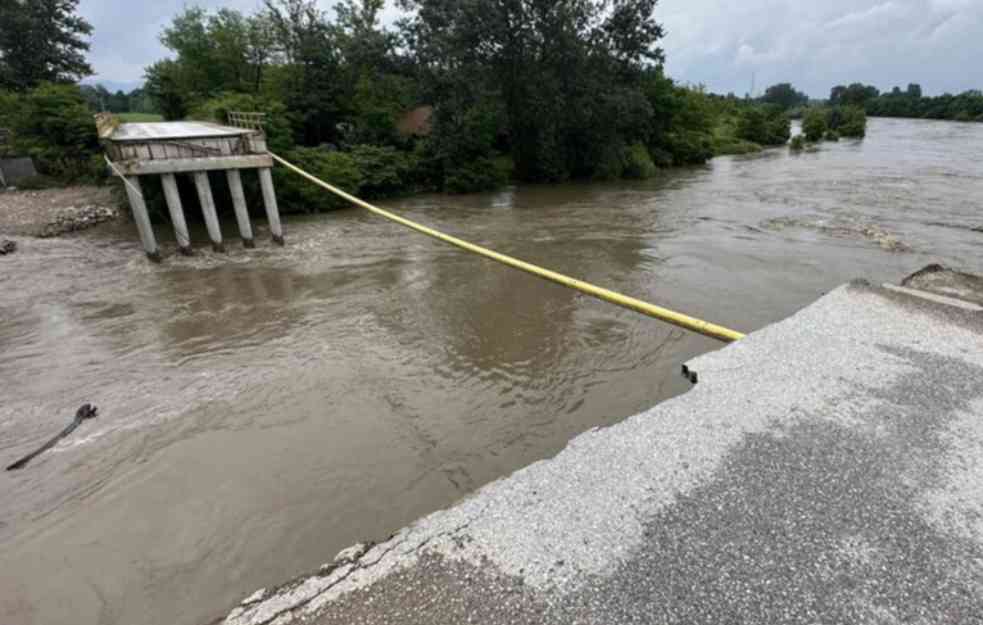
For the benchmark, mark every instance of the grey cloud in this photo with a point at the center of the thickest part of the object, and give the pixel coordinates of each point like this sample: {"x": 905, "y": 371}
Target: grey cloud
{"x": 719, "y": 43}
{"x": 816, "y": 45}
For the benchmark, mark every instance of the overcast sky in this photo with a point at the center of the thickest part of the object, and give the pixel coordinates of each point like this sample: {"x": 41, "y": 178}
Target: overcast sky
{"x": 720, "y": 43}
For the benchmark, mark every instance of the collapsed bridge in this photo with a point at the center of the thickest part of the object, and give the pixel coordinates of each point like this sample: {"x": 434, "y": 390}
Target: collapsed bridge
{"x": 167, "y": 149}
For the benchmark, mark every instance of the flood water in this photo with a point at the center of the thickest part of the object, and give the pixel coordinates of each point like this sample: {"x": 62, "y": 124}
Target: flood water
{"x": 262, "y": 410}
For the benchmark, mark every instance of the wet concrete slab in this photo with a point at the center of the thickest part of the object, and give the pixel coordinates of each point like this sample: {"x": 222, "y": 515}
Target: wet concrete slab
{"x": 824, "y": 470}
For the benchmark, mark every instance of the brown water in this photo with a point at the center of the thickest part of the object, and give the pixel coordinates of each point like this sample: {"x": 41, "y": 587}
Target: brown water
{"x": 260, "y": 411}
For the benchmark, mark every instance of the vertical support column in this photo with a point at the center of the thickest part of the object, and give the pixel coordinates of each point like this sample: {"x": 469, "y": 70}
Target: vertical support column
{"x": 239, "y": 202}
{"x": 208, "y": 208}
{"x": 177, "y": 214}
{"x": 142, "y": 218}
{"x": 269, "y": 200}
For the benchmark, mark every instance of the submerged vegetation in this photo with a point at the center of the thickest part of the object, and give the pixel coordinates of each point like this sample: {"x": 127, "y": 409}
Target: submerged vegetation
{"x": 831, "y": 123}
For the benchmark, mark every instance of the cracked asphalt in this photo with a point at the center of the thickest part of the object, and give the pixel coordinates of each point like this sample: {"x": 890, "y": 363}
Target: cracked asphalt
{"x": 826, "y": 469}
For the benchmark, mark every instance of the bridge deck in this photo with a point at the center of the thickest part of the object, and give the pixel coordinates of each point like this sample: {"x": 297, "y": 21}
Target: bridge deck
{"x": 156, "y": 131}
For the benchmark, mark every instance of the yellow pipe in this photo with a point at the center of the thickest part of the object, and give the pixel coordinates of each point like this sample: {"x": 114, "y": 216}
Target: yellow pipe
{"x": 683, "y": 321}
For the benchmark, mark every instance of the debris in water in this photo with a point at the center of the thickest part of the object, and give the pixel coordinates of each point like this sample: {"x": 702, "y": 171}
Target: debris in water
{"x": 84, "y": 413}
{"x": 7, "y": 247}
{"x": 842, "y": 228}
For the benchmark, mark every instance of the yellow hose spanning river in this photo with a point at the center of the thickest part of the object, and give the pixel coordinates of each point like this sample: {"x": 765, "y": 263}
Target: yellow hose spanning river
{"x": 683, "y": 321}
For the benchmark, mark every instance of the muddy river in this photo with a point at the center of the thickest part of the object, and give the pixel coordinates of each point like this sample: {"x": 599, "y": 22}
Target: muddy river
{"x": 262, "y": 410}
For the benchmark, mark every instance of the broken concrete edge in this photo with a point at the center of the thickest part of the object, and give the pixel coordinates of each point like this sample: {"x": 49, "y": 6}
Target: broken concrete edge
{"x": 947, "y": 282}
{"x": 941, "y": 299}
{"x": 362, "y": 566}
{"x": 302, "y": 589}
{"x": 930, "y": 269}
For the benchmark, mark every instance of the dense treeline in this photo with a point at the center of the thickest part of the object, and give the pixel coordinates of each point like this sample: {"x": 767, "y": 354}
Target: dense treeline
{"x": 454, "y": 97}
{"x": 578, "y": 92}
{"x": 966, "y": 107}
{"x": 101, "y": 99}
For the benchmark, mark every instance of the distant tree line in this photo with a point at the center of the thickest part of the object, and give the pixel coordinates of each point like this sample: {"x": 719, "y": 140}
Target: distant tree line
{"x": 785, "y": 96}
{"x": 967, "y": 106}
{"x": 101, "y": 99}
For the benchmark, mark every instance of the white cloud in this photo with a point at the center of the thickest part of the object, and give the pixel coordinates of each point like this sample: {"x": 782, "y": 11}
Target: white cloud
{"x": 866, "y": 17}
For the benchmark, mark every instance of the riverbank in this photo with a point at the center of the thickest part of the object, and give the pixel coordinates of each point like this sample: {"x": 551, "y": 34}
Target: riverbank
{"x": 823, "y": 469}
{"x": 53, "y": 212}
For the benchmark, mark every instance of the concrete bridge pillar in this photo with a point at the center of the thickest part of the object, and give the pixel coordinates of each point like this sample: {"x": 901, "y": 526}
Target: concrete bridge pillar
{"x": 208, "y": 209}
{"x": 239, "y": 202}
{"x": 139, "y": 207}
{"x": 174, "y": 207}
{"x": 269, "y": 200}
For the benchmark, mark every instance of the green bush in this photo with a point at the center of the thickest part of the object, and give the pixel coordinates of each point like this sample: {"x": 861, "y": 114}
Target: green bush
{"x": 53, "y": 125}
{"x": 732, "y": 146}
{"x": 478, "y": 175}
{"x": 278, "y": 123}
{"x": 831, "y": 135}
{"x": 9, "y": 104}
{"x": 638, "y": 163}
{"x": 37, "y": 183}
{"x": 779, "y": 129}
{"x": 610, "y": 164}
{"x": 682, "y": 126}
{"x": 298, "y": 194}
{"x": 504, "y": 164}
{"x": 660, "y": 156}
{"x": 798, "y": 143}
{"x": 851, "y": 121}
{"x": 815, "y": 123}
{"x": 764, "y": 126}
{"x": 386, "y": 171}
{"x": 690, "y": 147}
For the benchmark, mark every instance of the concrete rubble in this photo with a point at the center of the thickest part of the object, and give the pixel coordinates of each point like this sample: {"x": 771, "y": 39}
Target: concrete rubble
{"x": 826, "y": 469}
{"x": 74, "y": 218}
{"x": 54, "y": 212}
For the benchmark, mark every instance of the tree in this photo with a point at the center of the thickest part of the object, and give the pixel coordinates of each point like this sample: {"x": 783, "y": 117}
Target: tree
{"x": 764, "y": 125}
{"x": 815, "y": 123}
{"x": 164, "y": 86}
{"x": 785, "y": 96}
{"x": 849, "y": 121}
{"x": 311, "y": 81}
{"x": 380, "y": 84}
{"x": 568, "y": 74}
{"x": 41, "y": 41}
{"x": 857, "y": 94}
{"x": 96, "y": 96}
{"x": 53, "y": 124}
{"x": 215, "y": 53}
{"x": 915, "y": 91}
